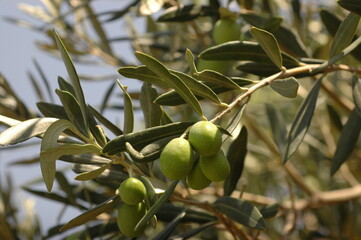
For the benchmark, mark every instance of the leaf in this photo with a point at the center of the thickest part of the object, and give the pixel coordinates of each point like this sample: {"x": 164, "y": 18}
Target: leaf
{"x": 108, "y": 124}
{"x": 269, "y": 44}
{"x": 152, "y": 112}
{"x": 236, "y": 155}
{"x": 73, "y": 77}
{"x": 72, "y": 109}
{"x": 332, "y": 23}
{"x": 170, "y": 227}
{"x": 347, "y": 141}
{"x": 339, "y": 56}
{"x": 144, "y": 74}
{"x": 351, "y": 5}
{"x": 244, "y": 51}
{"x": 286, "y": 87}
{"x": 174, "y": 81}
{"x": 66, "y": 86}
{"x": 278, "y": 126}
{"x": 128, "y": 110}
{"x": 356, "y": 93}
{"x": 92, "y": 213}
{"x": 25, "y": 130}
{"x": 240, "y": 211}
{"x": 52, "y": 110}
{"x": 192, "y": 232}
{"x": 8, "y": 121}
{"x": 50, "y": 139}
{"x": 217, "y": 78}
{"x": 199, "y": 88}
{"x": 151, "y": 195}
{"x": 142, "y": 138}
{"x": 302, "y": 121}
{"x": 270, "y": 211}
{"x": 86, "y": 176}
{"x": 187, "y": 13}
{"x": 157, "y": 206}
{"x": 345, "y": 34}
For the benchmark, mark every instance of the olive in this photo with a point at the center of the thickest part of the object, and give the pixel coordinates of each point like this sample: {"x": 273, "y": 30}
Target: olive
{"x": 225, "y": 30}
{"x": 216, "y": 168}
{"x": 176, "y": 159}
{"x": 205, "y": 138}
{"x": 132, "y": 191}
{"x": 196, "y": 178}
{"x": 128, "y": 218}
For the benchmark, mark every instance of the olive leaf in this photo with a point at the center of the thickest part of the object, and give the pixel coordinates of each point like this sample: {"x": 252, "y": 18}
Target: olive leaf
{"x": 278, "y": 126}
{"x": 170, "y": 227}
{"x": 142, "y": 138}
{"x": 25, "y": 130}
{"x": 157, "y": 206}
{"x": 128, "y": 110}
{"x": 186, "y": 13}
{"x": 286, "y": 87}
{"x": 92, "y": 213}
{"x": 345, "y": 34}
{"x": 240, "y": 211}
{"x": 351, "y": 5}
{"x": 91, "y": 174}
{"x": 356, "y": 93}
{"x": 174, "y": 81}
{"x": 347, "y": 141}
{"x": 269, "y": 44}
{"x": 236, "y": 155}
{"x": 73, "y": 77}
{"x": 301, "y": 121}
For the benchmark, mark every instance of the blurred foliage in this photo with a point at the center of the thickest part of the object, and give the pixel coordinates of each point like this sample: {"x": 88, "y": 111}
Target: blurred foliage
{"x": 295, "y": 161}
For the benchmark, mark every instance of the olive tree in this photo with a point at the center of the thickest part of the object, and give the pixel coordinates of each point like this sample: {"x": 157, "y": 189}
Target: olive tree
{"x": 250, "y": 120}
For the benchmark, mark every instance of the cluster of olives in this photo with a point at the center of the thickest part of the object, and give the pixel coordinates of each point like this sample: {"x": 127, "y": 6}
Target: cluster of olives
{"x": 177, "y": 160}
{"x": 132, "y": 192}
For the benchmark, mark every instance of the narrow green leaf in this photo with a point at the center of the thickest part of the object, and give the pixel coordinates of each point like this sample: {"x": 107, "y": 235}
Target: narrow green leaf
{"x": 85, "y": 159}
{"x": 92, "y": 213}
{"x": 107, "y": 123}
{"x": 150, "y": 191}
{"x": 199, "y": 88}
{"x": 192, "y": 232}
{"x": 72, "y": 109}
{"x": 278, "y": 126}
{"x": 66, "y": 187}
{"x": 128, "y": 110}
{"x": 339, "y": 56}
{"x": 236, "y": 155}
{"x": 345, "y": 33}
{"x": 170, "y": 227}
{"x": 73, "y": 77}
{"x": 332, "y": 23}
{"x": 50, "y": 138}
{"x": 66, "y": 86}
{"x": 152, "y": 112}
{"x": 217, "y": 78}
{"x": 244, "y": 51}
{"x": 157, "y": 206}
{"x": 174, "y": 81}
{"x": 269, "y": 44}
{"x": 286, "y": 87}
{"x": 190, "y": 59}
{"x": 270, "y": 211}
{"x": 356, "y": 93}
{"x": 44, "y": 79}
{"x": 347, "y": 141}
{"x": 8, "y": 121}
{"x": 144, "y": 74}
{"x": 142, "y": 138}
{"x": 52, "y": 110}
{"x": 240, "y": 211}
{"x": 187, "y": 13}
{"x": 302, "y": 121}
{"x": 351, "y": 5}
{"x": 54, "y": 153}
{"x": 25, "y": 130}
{"x": 86, "y": 176}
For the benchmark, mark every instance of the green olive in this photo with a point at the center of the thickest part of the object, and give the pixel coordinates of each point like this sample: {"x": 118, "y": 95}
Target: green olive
{"x": 176, "y": 159}
{"x": 196, "y": 178}
{"x": 216, "y": 168}
{"x": 132, "y": 191}
{"x": 225, "y": 30}
{"x": 205, "y": 138}
{"x": 128, "y": 218}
